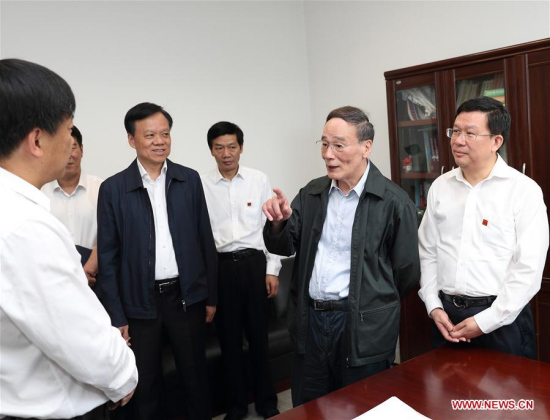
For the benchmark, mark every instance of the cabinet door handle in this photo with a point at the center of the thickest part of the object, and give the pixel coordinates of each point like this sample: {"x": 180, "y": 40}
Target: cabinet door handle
{"x": 442, "y": 169}
{"x": 523, "y": 168}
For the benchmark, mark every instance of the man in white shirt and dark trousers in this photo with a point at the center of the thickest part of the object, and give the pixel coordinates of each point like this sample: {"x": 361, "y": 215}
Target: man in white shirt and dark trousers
{"x": 73, "y": 201}
{"x": 247, "y": 273}
{"x": 60, "y": 356}
{"x": 483, "y": 239}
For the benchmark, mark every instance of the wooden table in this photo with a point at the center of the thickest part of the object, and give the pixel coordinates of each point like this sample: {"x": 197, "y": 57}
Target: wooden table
{"x": 429, "y": 382}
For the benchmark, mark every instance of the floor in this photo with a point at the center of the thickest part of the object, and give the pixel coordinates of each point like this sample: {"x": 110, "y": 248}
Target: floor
{"x": 284, "y": 404}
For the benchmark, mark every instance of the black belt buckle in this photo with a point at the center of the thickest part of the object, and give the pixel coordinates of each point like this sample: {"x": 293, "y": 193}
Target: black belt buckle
{"x": 319, "y": 305}
{"x": 164, "y": 287}
{"x": 460, "y": 301}
{"x": 241, "y": 254}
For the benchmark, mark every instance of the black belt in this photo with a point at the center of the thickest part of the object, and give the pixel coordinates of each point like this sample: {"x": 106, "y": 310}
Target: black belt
{"x": 162, "y": 286}
{"x": 241, "y": 254}
{"x": 461, "y": 301}
{"x": 328, "y": 305}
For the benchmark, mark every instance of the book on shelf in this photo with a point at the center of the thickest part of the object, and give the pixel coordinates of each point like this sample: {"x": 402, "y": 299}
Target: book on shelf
{"x": 435, "y": 152}
{"x": 487, "y": 84}
{"x": 413, "y": 111}
{"x": 494, "y": 92}
{"x": 427, "y": 151}
{"x": 492, "y": 87}
{"x": 420, "y": 191}
{"x": 497, "y": 94}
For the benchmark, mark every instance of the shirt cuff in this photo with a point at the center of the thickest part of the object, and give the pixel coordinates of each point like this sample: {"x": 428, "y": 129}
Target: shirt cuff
{"x": 131, "y": 383}
{"x": 432, "y": 302}
{"x": 271, "y": 269}
{"x": 486, "y": 321}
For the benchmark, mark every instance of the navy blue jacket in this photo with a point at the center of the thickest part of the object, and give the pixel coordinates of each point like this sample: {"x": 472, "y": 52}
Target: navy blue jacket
{"x": 126, "y": 243}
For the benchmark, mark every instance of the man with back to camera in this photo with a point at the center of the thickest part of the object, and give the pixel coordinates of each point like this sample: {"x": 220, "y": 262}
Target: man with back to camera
{"x": 73, "y": 200}
{"x": 158, "y": 262}
{"x": 355, "y": 237}
{"x": 483, "y": 239}
{"x": 247, "y": 276}
{"x": 61, "y": 358}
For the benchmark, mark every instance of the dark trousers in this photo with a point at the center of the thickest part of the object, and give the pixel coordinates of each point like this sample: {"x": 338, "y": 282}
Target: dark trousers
{"x": 186, "y": 332}
{"x": 323, "y": 367}
{"x": 517, "y": 338}
{"x": 98, "y": 413}
{"x": 242, "y": 306}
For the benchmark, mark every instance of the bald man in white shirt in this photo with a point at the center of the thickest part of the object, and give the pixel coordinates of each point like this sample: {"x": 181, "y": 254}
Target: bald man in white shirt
{"x": 483, "y": 239}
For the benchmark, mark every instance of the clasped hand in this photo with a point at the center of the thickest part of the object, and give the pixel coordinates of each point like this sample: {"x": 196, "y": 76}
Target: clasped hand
{"x": 464, "y": 331}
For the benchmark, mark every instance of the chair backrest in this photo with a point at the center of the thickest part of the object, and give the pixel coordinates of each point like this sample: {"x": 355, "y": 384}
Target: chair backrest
{"x": 285, "y": 276}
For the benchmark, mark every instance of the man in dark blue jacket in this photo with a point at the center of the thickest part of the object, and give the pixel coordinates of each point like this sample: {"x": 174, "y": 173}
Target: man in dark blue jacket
{"x": 158, "y": 262}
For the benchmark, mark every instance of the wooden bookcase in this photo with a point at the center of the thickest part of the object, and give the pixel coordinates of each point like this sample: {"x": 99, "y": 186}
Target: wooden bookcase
{"x": 422, "y": 101}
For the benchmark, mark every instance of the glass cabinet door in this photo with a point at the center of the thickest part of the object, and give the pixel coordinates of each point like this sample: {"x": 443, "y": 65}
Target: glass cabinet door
{"x": 417, "y": 136}
{"x": 491, "y": 86}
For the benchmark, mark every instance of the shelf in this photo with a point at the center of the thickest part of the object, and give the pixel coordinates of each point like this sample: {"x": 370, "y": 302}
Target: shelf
{"x": 419, "y": 175}
{"x": 416, "y": 123}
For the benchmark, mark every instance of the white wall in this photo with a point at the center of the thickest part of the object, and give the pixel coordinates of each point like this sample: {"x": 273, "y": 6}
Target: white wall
{"x": 351, "y": 44}
{"x": 244, "y": 62}
{"x": 276, "y": 68}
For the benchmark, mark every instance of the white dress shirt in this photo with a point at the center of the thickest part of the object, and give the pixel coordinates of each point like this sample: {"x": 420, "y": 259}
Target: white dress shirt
{"x": 166, "y": 266}
{"x": 483, "y": 240}
{"x": 60, "y": 356}
{"x": 235, "y": 209}
{"x": 331, "y": 270}
{"x": 77, "y": 211}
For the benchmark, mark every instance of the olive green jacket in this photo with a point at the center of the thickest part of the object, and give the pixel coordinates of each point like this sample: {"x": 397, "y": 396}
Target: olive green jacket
{"x": 384, "y": 263}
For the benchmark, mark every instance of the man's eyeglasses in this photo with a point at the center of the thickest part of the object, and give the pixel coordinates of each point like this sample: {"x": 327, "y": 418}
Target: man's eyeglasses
{"x": 453, "y": 133}
{"x": 336, "y": 147}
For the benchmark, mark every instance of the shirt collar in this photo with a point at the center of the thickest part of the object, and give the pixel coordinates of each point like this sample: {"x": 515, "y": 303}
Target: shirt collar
{"x": 500, "y": 170}
{"x": 360, "y": 185}
{"x": 24, "y": 188}
{"x": 145, "y": 176}
{"x": 218, "y": 177}
{"x": 81, "y": 184}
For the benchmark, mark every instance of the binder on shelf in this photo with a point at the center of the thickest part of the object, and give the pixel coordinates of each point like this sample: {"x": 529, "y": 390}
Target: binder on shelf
{"x": 428, "y": 151}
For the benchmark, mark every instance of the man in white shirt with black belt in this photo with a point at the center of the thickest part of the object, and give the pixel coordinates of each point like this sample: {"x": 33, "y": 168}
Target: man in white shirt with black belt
{"x": 158, "y": 264}
{"x": 247, "y": 273}
{"x": 73, "y": 200}
{"x": 483, "y": 239}
{"x": 60, "y": 356}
